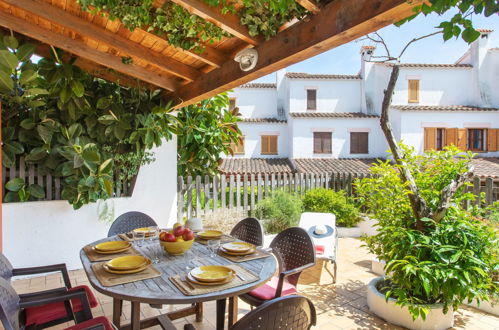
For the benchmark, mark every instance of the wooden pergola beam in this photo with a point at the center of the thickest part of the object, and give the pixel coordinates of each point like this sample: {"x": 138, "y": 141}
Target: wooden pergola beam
{"x": 309, "y": 5}
{"x": 337, "y": 23}
{"x": 79, "y": 48}
{"x": 65, "y": 19}
{"x": 228, "y": 21}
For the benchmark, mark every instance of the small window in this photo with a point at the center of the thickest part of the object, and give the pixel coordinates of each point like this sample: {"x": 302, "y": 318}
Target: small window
{"x": 413, "y": 91}
{"x": 359, "y": 143}
{"x": 440, "y": 143}
{"x": 269, "y": 145}
{"x": 311, "y": 99}
{"x": 238, "y": 148}
{"x": 232, "y": 103}
{"x": 476, "y": 139}
{"x": 322, "y": 142}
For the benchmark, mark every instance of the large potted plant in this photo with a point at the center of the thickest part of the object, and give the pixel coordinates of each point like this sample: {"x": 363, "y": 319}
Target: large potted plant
{"x": 434, "y": 262}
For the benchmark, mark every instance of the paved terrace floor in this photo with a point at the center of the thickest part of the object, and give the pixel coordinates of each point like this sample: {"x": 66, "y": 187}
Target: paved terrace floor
{"x": 339, "y": 306}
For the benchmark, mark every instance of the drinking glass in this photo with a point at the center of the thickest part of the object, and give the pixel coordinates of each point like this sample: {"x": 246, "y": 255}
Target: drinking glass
{"x": 189, "y": 260}
{"x": 154, "y": 232}
{"x": 156, "y": 250}
{"x": 138, "y": 237}
{"x": 213, "y": 245}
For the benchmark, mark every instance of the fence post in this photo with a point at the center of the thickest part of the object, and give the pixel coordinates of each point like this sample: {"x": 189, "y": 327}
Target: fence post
{"x": 252, "y": 193}
{"x": 180, "y": 199}
{"x": 266, "y": 185}
{"x": 246, "y": 192}
{"x": 206, "y": 194}
{"x": 296, "y": 183}
{"x": 327, "y": 181}
{"x": 238, "y": 191}
{"x": 189, "y": 197}
{"x": 488, "y": 191}
{"x": 198, "y": 196}
{"x": 272, "y": 182}
{"x": 231, "y": 191}
{"x": 476, "y": 189}
{"x": 215, "y": 193}
{"x": 223, "y": 191}
{"x": 260, "y": 187}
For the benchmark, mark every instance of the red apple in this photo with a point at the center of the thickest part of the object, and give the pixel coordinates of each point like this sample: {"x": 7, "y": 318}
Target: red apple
{"x": 170, "y": 237}
{"x": 188, "y": 235}
{"x": 162, "y": 236}
{"x": 178, "y": 231}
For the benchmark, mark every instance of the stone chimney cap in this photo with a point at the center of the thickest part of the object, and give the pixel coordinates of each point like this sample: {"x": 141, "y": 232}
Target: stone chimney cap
{"x": 367, "y": 48}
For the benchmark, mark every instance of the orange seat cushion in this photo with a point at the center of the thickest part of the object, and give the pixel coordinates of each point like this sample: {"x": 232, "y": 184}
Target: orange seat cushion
{"x": 54, "y": 311}
{"x": 101, "y": 320}
{"x": 267, "y": 291}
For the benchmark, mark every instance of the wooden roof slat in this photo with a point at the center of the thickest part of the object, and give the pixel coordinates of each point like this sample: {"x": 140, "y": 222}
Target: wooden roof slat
{"x": 337, "y": 23}
{"x": 228, "y": 22}
{"x": 106, "y": 37}
{"x": 309, "y": 5}
{"x": 81, "y": 49}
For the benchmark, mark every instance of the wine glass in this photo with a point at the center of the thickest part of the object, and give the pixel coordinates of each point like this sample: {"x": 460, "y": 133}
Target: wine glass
{"x": 138, "y": 237}
{"x": 153, "y": 233}
{"x": 213, "y": 245}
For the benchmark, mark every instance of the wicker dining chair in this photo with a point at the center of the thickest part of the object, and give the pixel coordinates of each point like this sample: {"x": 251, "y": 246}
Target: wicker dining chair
{"x": 249, "y": 230}
{"x": 286, "y": 313}
{"x": 295, "y": 252}
{"x": 54, "y": 309}
{"x": 129, "y": 221}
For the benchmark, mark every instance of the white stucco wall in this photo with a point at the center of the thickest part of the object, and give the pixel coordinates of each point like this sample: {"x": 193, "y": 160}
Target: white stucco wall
{"x": 303, "y": 137}
{"x": 412, "y": 123}
{"x": 252, "y": 136}
{"x": 256, "y": 102}
{"x": 41, "y": 233}
{"x": 489, "y": 74}
{"x": 333, "y": 95}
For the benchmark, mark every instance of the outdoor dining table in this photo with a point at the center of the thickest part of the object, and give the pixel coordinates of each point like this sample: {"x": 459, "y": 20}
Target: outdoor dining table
{"x": 161, "y": 291}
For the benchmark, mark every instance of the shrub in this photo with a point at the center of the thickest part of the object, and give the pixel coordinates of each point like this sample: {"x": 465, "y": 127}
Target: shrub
{"x": 279, "y": 211}
{"x": 447, "y": 261}
{"x": 330, "y": 201}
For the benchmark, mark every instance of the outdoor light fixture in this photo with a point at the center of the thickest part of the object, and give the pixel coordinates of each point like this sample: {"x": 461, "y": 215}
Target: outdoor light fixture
{"x": 247, "y": 59}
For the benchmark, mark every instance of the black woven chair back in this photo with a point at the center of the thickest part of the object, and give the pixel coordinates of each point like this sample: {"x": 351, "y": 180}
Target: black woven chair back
{"x": 287, "y": 313}
{"x": 129, "y": 221}
{"x": 294, "y": 248}
{"x": 9, "y": 306}
{"x": 249, "y": 230}
{"x": 5, "y": 268}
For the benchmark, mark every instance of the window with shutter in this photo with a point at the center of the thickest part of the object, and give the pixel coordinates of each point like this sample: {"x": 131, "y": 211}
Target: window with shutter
{"x": 450, "y": 137}
{"x": 430, "y": 138}
{"x": 269, "y": 145}
{"x": 476, "y": 139}
{"x": 493, "y": 139}
{"x": 311, "y": 99}
{"x": 462, "y": 138}
{"x": 238, "y": 148}
{"x": 413, "y": 90}
{"x": 440, "y": 139}
{"x": 322, "y": 142}
{"x": 359, "y": 142}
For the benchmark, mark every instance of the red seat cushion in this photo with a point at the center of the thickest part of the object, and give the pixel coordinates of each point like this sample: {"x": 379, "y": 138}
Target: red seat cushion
{"x": 91, "y": 323}
{"x": 319, "y": 249}
{"x": 267, "y": 291}
{"x": 54, "y": 311}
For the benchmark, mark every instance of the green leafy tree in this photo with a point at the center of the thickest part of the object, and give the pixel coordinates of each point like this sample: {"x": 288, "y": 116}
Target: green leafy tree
{"x": 205, "y": 132}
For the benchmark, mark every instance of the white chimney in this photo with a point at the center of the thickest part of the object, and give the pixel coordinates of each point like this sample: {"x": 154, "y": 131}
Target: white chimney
{"x": 281, "y": 92}
{"x": 478, "y": 51}
{"x": 366, "y": 53}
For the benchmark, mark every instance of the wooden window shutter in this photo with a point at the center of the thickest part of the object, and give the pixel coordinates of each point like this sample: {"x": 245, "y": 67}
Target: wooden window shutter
{"x": 493, "y": 139}
{"x": 265, "y": 144}
{"x": 269, "y": 144}
{"x": 317, "y": 143}
{"x": 311, "y": 99}
{"x": 430, "y": 138}
{"x": 462, "y": 139}
{"x": 413, "y": 91}
{"x": 450, "y": 137}
{"x": 359, "y": 143}
{"x": 273, "y": 144}
{"x": 327, "y": 143}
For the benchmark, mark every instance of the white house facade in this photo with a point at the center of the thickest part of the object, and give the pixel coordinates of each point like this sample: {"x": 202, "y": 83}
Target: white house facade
{"x": 328, "y": 120}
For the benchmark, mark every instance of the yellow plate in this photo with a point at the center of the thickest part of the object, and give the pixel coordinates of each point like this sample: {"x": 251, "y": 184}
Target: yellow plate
{"x": 130, "y": 271}
{"x": 112, "y": 246}
{"x": 211, "y": 273}
{"x": 238, "y": 246}
{"x": 210, "y": 234}
{"x": 245, "y": 253}
{"x": 127, "y": 262}
{"x": 193, "y": 280}
{"x": 109, "y": 252}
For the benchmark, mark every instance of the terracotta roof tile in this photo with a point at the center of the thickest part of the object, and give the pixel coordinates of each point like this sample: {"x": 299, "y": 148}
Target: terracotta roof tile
{"x": 431, "y": 65}
{"x": 258, "y": 85}
{"x": 332, "y": 115}
{"x": 485, "y": 30}
{"x": 330, "y": 165}
{"x": 441, "y": 108}
{"x": 255, "y": 165}
{"x": 264, "y": 120}
{"x": 486, "y": 167}
{"x": 302, "y": 75}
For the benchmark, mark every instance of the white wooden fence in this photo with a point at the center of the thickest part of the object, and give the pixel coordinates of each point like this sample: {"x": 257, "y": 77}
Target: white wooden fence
{"x": 200, "y": 196}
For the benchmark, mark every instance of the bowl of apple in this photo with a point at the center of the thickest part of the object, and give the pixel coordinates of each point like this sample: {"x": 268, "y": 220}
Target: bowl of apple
{"x": 177, "y": 241}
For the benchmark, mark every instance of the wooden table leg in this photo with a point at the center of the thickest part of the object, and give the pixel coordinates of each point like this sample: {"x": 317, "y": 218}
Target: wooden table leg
{"x": 199, "y": 312}
{"x": 135, "y": 323}
{"x": 221, "y": 314}
{"x": 232, "y": 310}
{"x": 117, "y": 309}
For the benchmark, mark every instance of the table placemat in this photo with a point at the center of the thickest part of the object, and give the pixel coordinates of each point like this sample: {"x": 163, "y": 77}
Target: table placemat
{"x": 192, "y": 289}
{"x": 129, "y": 237}
{"x": 108, "y": 279}
{"x": 224, "y": 239}
{"x": 94, "y": 256}
{"x": 257, "y": 255}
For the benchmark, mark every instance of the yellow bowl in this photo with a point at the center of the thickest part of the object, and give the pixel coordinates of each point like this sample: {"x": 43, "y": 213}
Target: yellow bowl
{"x": 176, "y": 248}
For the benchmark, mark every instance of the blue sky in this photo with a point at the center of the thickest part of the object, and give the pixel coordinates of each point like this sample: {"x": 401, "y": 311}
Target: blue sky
{"x": 346, "y": 59}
